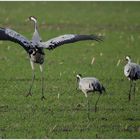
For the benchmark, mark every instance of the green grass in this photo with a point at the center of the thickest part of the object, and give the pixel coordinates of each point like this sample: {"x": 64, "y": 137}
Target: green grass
{"x": 66, "y": 117}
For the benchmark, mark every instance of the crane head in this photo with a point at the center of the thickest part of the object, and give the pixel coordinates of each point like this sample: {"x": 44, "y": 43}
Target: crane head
{"x": 128, "y": 58}
{"x": 32, "y": 18}
{"x": 78, "y": 76}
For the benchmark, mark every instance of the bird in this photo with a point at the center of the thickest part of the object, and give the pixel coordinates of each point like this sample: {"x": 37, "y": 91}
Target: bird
{"x": 35, "y": 47}
{"x": 88, "y": 85}
{"x": 132, "y": 72}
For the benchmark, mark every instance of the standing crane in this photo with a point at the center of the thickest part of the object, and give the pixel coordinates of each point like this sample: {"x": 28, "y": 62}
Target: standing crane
{"x": 35, "y": 47}
{"x": 88, "y": 85}
{"x": 132, "y": 72}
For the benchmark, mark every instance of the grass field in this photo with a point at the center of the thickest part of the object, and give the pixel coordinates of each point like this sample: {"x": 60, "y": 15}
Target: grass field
{"x": 66, "y": 117}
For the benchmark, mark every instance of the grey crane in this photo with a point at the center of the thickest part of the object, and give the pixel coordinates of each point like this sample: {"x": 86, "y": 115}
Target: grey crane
{"x": 88, "y": 85}
{"x": 35, "y": 47}
{"x": 132, "y": 72}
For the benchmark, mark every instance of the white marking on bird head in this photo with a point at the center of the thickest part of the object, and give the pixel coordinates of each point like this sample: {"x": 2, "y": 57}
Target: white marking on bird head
{"x": 33, "y": 19}
{"x": 79, "y": 76}
{"x": 128, "y": 59}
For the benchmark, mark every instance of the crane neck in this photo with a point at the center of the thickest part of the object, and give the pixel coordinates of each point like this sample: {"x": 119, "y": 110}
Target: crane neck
{"x": 78, "y": 78}
{"x": 129, "y": 61}
{"x": 35, "y": 25}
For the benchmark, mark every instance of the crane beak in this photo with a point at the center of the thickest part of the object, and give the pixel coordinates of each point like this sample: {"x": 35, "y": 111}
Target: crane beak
{"x": 27, "y": 20}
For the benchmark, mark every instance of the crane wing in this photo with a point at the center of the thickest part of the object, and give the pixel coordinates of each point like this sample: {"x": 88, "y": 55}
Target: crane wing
{"x": 11, "y": 35}
{"x": 68, "y": 38}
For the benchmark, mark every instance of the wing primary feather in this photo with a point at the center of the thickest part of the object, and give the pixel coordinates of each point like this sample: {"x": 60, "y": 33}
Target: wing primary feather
{"x": 11, "y": 35}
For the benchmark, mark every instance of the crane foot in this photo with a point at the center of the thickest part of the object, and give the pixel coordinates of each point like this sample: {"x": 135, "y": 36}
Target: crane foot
{"x": 43, "y": 98}
{"x": 29, "y": 94}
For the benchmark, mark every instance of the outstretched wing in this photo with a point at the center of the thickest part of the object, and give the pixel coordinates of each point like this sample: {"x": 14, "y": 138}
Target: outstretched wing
{"x": 11, "y": 35}
{"x": 69, "y": 38}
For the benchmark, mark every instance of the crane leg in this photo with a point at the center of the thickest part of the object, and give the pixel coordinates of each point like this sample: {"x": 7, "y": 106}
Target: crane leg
{"x": 88, "y": 109}
{"x": 33, "y": 77}
{"x": 88, "y": 106}
{"x": 85, "y": 93}
{"x": 131, "y": 85}
{"x": 134, "y": 89}
{"x": 42, "y": 82}
{"x": 97, "y": 102}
